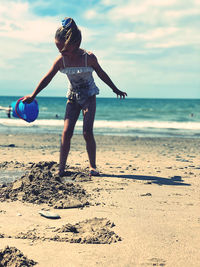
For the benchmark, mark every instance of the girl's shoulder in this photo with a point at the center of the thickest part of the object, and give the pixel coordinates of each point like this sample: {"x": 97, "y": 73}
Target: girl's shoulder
{"x": 89, "y": 53}
{"x": 84, "y": 52}
{"x": 59, "y": 58}
{"x": 90, "y": 56}
{"x": 59, "y": 62}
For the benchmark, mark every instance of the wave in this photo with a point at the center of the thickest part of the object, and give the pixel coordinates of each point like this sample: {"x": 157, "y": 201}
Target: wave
{"x": 22, "y": 123}
{"x": 149, "y": 124}
{"x": 108, "y": 124}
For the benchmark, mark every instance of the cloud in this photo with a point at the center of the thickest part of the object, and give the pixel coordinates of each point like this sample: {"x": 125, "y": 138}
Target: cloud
{"x": 129, "y": 37}
{"x": 23, "y": 34}
{"x": 18, "y": 23}
{"x": 152, "y": 12}
{"x": 87, "y": 34}
{"x": 177, "y": 14}
{"x": 150, "y": 35}
{"x": 163, "y": 37}
{"x": 91, "y": 14}
{"x": 183, "y": 37}
{"x": 111, "y": 2}
{"x": 140, "y": 11}
{"x": 155, "y": 23}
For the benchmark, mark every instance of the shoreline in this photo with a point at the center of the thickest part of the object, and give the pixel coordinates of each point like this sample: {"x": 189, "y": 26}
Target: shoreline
{"x": 168, "y": 131}
{"x": 149, "y": 188}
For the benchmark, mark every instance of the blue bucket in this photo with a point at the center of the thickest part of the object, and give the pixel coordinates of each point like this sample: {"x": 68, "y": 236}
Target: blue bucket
{"x": 25, "y": 111}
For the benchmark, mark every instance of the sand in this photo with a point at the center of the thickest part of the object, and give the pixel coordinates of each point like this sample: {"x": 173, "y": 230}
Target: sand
{"x": 11, "y": 256}
{"x": 144, "y": 210}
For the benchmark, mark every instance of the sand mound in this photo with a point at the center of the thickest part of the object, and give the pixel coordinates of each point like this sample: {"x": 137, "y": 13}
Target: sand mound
{"x": 91, "y": 231}
{"x": 11, "y": 256}
{"x": 41, "y": 185}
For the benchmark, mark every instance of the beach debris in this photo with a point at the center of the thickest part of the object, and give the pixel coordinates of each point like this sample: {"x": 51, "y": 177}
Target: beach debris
{"x": 11, "y": 164}
{"x": 8, "y": 145}
{"x": 49, "y": 214}
{"x": 69, "y": 203}
{"x": 41, "y": 185}
{"x": 146, "y": 195}
{"x": 176, "y": 178}
{"x": 89, "y": 231}
{"x": 182, "y": 160}
{"x": 4, "y": 236}
{"x": 2, "y": 211}
{"x": 11, "y": 256}
{"x": 3, "y": 185}
{"x": 11, "y": 145}
{"x": 156, "y": 262}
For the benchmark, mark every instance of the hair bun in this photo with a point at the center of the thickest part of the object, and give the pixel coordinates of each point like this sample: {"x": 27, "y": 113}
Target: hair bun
{"x": 66, "y": 23}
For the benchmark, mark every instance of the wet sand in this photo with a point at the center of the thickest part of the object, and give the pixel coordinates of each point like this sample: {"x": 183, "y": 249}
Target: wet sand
{"x": 144, "y": 210}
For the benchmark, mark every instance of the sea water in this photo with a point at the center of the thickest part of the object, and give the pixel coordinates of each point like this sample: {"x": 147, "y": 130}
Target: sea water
{"x": 129, "y": 117}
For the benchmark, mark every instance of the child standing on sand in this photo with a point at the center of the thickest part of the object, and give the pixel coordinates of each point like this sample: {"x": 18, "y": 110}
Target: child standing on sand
{"x": 78, "y": 64}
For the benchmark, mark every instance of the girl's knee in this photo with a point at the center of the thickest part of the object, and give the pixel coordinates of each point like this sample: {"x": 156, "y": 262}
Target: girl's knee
{"x": 88, "y": 135}
{"x": 67, "y": 134}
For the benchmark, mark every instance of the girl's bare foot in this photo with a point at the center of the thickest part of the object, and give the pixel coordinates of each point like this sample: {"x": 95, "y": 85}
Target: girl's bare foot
{"x": 94, "y": 172}
{"x": 60, "y": 173}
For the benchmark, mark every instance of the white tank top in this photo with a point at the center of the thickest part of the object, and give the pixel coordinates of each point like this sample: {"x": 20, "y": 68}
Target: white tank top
{"x": 81, "y": 82}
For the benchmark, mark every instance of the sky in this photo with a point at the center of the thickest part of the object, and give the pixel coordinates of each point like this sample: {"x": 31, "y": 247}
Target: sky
{"x": 149, "y": 48}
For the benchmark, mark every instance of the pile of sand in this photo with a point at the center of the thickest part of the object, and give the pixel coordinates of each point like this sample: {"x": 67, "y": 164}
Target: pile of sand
{"x": 11, "y": 256}
{"x": 90, "y": 231}
{"x": 41, "y": 185}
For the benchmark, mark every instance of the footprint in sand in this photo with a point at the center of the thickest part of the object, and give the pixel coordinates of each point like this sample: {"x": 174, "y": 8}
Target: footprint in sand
{"x": 156, "y": 262}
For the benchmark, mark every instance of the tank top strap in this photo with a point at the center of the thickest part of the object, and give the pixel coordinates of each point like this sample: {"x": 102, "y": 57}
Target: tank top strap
{"x": 86, "y": 59}
{"x": 63, "y": 59}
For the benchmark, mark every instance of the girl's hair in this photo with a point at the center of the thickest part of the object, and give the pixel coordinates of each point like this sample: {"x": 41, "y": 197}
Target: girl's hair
{"x": 68, "y": 33}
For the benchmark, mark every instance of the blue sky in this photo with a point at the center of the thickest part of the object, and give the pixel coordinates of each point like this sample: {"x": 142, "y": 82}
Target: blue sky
{"x": 149, "y": 48}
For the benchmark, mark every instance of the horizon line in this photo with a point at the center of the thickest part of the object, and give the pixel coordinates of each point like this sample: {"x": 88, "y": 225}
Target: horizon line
{"x": 170, "y": 98}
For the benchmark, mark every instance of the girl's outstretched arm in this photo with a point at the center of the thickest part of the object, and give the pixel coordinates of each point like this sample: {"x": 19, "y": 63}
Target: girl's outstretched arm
{"x": 104, "y": 76}
{"x": 44, "y": 81}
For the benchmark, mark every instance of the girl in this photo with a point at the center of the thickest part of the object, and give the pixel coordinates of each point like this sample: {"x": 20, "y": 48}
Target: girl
{"x": 78, "y": 64}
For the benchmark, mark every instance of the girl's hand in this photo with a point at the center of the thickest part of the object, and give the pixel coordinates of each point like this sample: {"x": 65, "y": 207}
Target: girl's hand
{"x": 120, "y": 93}
{"x": 28, "y": 99}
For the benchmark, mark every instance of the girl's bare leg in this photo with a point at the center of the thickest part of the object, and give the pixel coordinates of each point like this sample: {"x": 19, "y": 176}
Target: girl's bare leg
{"x": 71, "y": 116}
{"x": 91, "y": 150}
{"x": 88, "y": 121}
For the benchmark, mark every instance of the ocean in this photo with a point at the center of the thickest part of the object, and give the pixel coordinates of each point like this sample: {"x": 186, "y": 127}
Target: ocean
{"x": 129, "y": 117}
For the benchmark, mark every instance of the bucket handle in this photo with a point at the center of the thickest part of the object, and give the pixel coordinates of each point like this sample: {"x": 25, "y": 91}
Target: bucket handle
{"x": 16, "y": 106}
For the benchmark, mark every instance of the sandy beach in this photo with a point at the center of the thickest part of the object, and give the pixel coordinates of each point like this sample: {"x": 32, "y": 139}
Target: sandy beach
{"x": 144, "y": 209}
